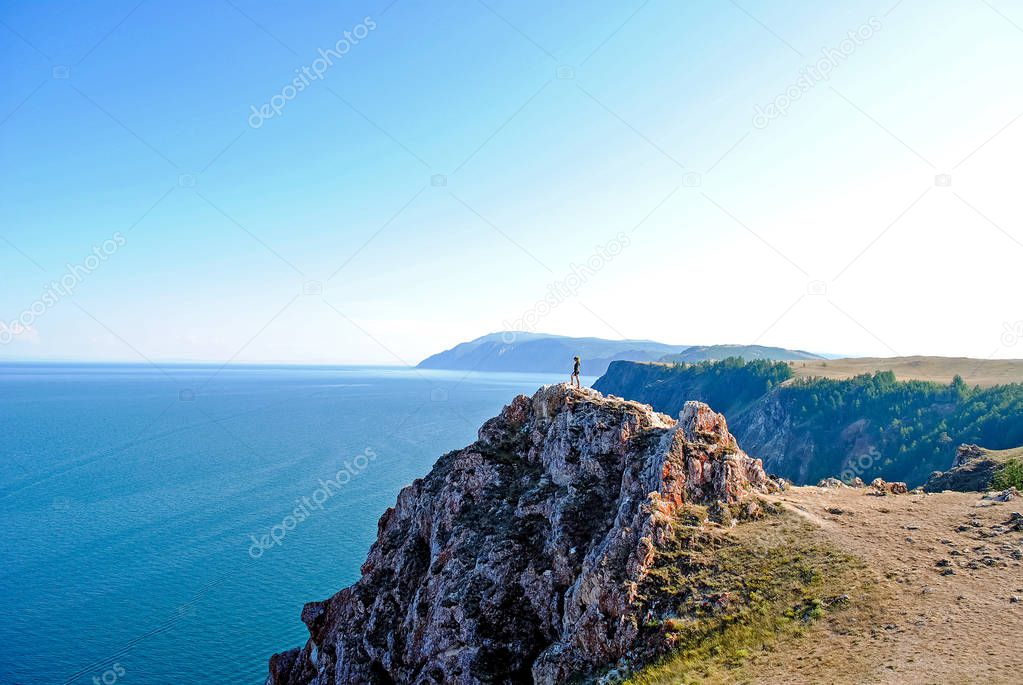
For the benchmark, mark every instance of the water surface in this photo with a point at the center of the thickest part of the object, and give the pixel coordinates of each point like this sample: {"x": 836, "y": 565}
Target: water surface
{"x": 131, "y": 497}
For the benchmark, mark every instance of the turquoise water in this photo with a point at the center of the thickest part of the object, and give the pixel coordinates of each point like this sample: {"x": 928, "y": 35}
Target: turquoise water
{"x": 131, "y": 498}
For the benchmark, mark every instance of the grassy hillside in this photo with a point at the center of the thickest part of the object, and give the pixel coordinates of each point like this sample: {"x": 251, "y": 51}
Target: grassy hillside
{"x": 982, "y": 372}
{"x": 741, "y": 590}
{"x": 936, "y": 609}
{"x": 1004, "y": 455}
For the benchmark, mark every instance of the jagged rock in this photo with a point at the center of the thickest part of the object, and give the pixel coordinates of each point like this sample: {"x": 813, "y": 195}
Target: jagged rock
{"x": 966, "y": 453}
{"x": 830, "y": 483}
{"x": 518, "y": 558}
{"x": 973, "y": 469}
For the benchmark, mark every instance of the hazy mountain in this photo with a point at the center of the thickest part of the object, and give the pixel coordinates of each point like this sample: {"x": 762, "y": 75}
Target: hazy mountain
{"x": 713, "y": 353}
{"x": 541, "y": 353}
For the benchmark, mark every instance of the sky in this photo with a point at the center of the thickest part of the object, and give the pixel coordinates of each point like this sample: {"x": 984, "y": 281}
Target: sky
{"x": 372, "y": 182}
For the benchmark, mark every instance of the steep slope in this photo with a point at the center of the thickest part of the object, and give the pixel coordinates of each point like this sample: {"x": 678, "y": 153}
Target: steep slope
{"x": 525, "y": 556}
{"x": 806, "y": 429}
{"x": 540, "y": 353}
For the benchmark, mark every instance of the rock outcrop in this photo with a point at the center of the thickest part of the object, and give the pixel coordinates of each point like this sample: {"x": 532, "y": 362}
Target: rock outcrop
{"x": 973, "y": 469}
{"x": 519, "y": 557}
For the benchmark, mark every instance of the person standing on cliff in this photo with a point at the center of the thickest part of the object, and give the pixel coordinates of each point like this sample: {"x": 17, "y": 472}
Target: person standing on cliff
{"x": 574, "y": 380}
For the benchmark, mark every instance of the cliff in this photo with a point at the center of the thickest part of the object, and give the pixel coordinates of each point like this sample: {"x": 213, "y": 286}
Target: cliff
{"x": 525, "y": 557}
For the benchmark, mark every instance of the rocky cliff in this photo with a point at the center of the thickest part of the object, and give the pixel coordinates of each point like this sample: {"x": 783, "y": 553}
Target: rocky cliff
{"x": 758, "y": 414}
{"x": 975, "y": 468}
{"x": 521, "y": 557}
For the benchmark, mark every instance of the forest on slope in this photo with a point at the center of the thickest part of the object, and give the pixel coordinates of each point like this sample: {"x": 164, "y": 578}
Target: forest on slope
{"x": 805, "y": 429}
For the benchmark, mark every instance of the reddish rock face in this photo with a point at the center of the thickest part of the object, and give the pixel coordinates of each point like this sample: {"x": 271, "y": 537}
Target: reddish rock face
{"x": 518, "y": 558}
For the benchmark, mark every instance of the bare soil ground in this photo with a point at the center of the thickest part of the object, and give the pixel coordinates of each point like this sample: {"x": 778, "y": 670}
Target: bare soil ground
{"x": 983, "y": 372}
{"x": 933, "y": 605}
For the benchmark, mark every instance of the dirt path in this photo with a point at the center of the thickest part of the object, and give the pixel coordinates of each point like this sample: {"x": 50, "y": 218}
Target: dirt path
{"x": 942, "y": 571}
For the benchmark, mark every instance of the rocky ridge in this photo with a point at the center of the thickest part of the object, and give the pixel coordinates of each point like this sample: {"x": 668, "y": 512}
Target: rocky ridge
{"x": 974, "y": 468}
{"x": 520, "y": 557}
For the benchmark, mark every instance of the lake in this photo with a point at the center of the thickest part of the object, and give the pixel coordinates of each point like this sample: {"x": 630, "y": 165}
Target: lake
{"x": 165, "y": 525}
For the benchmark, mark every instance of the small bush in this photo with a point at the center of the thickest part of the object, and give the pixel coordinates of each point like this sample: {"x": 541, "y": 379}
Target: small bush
{"x": 1010, "y": 475}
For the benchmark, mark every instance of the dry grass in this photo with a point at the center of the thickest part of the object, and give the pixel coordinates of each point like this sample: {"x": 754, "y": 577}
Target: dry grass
{"x": 983, "y": 372}
{"x": 927, "y": 627}
{"x": 783, "y": 575}
{"x": 1004, "y": 455}
{"x": 932, "y": 602}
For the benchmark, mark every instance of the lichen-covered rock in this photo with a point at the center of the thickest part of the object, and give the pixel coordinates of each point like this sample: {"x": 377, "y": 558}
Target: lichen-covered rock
{"x": 519, "y": 557}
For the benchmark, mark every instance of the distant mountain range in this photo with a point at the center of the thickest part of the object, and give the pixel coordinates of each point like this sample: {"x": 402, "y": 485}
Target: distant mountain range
{"x": 715, "y": 353}
{"x": 542, "y": 353}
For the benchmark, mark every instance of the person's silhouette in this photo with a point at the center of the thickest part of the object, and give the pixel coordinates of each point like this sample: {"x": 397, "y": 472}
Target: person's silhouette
{"x": 574, "y": 380}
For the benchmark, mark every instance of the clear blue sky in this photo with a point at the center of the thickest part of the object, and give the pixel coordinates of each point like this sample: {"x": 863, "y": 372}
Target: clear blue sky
{"x": 462, "y": 156}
